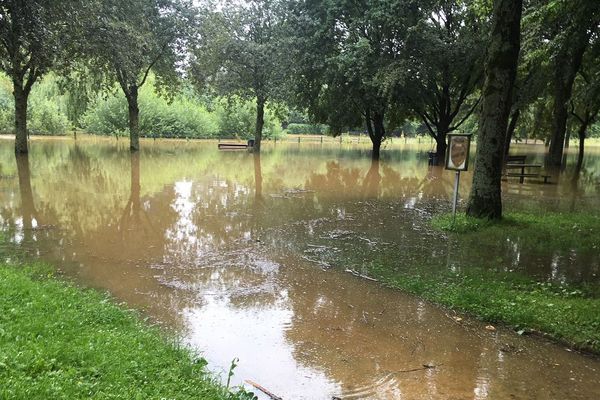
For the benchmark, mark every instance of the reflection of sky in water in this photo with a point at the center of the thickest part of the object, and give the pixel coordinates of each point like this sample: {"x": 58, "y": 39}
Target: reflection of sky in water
{"x": 256, "y": 336}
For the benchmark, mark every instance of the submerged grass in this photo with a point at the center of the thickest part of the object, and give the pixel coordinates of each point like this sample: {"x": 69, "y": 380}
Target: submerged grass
{"x": 58, "y": 341}
{"x": 569, "y": 313}
{"x": 566, "y": 313}
{"x": 560, "y": 231}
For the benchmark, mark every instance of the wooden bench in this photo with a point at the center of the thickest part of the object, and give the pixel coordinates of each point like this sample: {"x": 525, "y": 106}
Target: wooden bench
{"x": 515, "y": 159}
{"x": 232, "y": 146}
{"x": 529, "y": 175}
{"x": 522, "y": 174}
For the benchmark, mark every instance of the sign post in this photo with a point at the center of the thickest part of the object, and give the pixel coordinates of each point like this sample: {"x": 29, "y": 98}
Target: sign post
{"x": 457, "y": 159}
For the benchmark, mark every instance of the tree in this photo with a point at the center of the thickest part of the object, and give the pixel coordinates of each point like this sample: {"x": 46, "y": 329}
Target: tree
{"x": 239, "y": 54}
{"x": 485, "y": 200}
{"x": 341, "y": 52}
{"x": 444, "y": 69}
{"x": 32, "y": 41}
{"x": 561, "y": 31}
{"x": 585, "y": 104}
{"x": 127, "y": 40}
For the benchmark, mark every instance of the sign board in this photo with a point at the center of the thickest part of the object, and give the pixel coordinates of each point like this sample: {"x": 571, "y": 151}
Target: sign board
{"x": 457, "y": 153}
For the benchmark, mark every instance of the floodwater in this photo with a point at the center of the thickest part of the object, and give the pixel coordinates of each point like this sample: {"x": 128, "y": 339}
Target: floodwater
{"x": 246, "y": 257}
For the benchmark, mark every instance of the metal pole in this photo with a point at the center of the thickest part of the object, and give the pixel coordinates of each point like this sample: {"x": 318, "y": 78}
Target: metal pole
{"x": 455, "y": 200}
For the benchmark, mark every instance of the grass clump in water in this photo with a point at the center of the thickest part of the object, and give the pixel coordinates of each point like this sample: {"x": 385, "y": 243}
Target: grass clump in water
{"x": 61, "y": 342}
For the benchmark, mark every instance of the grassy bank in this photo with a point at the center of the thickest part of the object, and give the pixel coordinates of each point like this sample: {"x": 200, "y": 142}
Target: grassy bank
{"x": 565, "y": 312}
{"x": 551, "y": 231}
{"x": 61, "y": 342}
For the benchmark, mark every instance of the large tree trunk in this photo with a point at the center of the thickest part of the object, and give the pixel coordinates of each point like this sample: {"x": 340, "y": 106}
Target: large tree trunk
{"x": 21, "y": 95}
{"x": 441, "y": 133}
{"x": 567, "y": 65}
{"x": 134, "y": 119}
{"x": 485, "y": 200}
{"x": 260, "y": 123}
{"x": 440, "y": 147}
{"x": 514, "y": 118}
{"x": 376, "y": 130}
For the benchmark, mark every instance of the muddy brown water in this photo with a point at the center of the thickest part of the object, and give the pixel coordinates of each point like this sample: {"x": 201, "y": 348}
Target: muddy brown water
{"x": 246, "y": 257}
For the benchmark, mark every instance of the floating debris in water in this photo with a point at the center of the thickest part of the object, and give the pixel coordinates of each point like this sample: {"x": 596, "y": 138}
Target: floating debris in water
{"x": 359, "y": 275}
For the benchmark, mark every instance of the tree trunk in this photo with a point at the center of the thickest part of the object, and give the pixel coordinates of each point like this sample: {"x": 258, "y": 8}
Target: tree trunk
{"x": 136, "y": 188}
{"x": 260, "y": 123}
{"x": 134, "y": 119}
{"x": 440, "y": 148}
{"x": 514, "y": 118}
{"x": 581, "y": 134}
{"x": 376, "y": 131}
{"x": 27, "y": 206}
{"x": 485, "y": 200}
{"x": 566, "y": 68}
{"x": 378, "y": 134}
{"x": 21, "y": 95}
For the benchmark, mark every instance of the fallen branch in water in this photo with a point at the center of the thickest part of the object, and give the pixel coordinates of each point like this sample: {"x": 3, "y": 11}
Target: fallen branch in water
{"x": 423, "y": 367}
{"x": 264, "y": 390}
{"x": 359, "y": 275}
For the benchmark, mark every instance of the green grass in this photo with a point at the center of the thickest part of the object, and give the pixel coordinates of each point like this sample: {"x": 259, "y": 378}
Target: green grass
{"x": 566, "y": 313}
{"x": 58, "y": 341}
{"x": 558, "y": 231}
{"x": 569, "y": 313}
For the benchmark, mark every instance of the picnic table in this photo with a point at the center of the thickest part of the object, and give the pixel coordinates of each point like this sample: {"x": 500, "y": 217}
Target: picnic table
{"x": 526, "y": 171}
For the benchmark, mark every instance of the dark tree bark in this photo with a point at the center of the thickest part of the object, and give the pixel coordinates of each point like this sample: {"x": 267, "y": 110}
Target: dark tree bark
{"x": 376, "y": 131}
{"x": 581, "y": 134}
{"x": 514, "y": 118}
{"x": 485, "y": 200}
{"x": 585, "y": 121}
{"x": 567, "y": 64}
{"x": 260, "y": 123}
{"x": 440, "y": 147}
{"x": 21, "y": 96}
{"x": 134, "y": 118}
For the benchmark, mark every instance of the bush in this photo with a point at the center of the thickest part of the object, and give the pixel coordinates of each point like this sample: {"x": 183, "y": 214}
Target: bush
{"x": 307, "y": 129}
{"x": 46, "y": 114}
{"x": 180, "y": 119}
{"x": 183, "y": 118}
{"x": 45, "y": 118}
{"x": 237, "y": 118}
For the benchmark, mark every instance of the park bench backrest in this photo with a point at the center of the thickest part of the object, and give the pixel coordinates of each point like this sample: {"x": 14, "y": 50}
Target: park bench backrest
{"x": 515, "y": 159}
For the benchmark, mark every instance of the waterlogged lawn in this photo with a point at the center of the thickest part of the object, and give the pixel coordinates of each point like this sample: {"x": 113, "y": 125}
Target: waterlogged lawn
{"x": 549, "y": 231}
{"x": 566, "y": 313}
{"x": 60, "y": 342}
